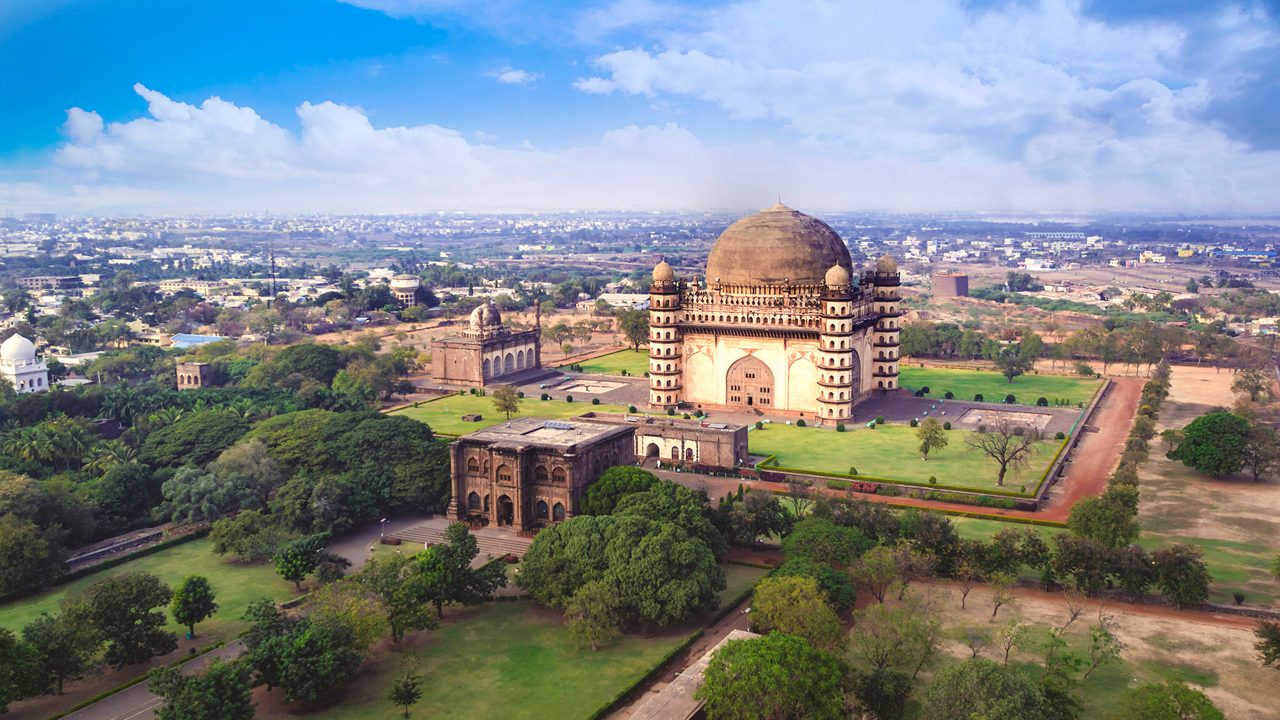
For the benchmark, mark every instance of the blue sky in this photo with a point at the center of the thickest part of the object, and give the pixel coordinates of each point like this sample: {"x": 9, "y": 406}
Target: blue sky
{"x": 122, "y": 106}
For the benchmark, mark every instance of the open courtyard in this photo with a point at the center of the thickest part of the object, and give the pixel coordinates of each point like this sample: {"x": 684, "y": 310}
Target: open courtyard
{"x": 993, "y": 386}
{"x": 892, "y": 452}
{"x": 635, "y": 362}
{"x": 444, "y": 415}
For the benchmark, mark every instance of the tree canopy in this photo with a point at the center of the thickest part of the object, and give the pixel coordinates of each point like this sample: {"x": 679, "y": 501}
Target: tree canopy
{"x": 775, "y": 677}
{"x": 1213, "y": 444}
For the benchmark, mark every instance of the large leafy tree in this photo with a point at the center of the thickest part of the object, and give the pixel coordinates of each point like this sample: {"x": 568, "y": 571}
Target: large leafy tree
{"x": 195, "y": 439}
{"x": 660, "y": 573}
{"x": 444, "y": 576}
{"x": 757, "y": 515}
{"x": 1213, "y": 444}
{"x": 395, "y": 581}
{"x": 634, "y": 325}
{"x": 796, "y": 606}
{"x": 592, "y": 614}
{"x": 310, "y": 659}
{"x": 836, "y": 584}
{"x": 124, "y": 496}
{"x": 29, "y": 559}
{"x": 1181, "y": 574}
{"x": 64, "y": 645}
{"x": 1268, "y": 645}
{"x": 667, "y": 501}
{"x": 220, "y": 692}
{"x": 127, "y": 610}
{"x": 603, "y": 495}
{"x": 194, "y": 495}
{"x": 298, "y": 559}
{"x": 775, "y": 677}
{"x": 825, "y": 543}
{"x": 248, "y": 463}
{"x": 980, "y": 688}
{"x": 20, "y": 671}
{"x": 250, "y": 536}
{"x": 193, "y": 602}
{"x": 1169, "y": 700}
{"x": 1110, "y": 518}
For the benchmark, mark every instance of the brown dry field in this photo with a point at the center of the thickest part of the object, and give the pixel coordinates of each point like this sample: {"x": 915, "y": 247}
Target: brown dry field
{"x": 1212, "y": 652}
{"x": 1235, "y": 520}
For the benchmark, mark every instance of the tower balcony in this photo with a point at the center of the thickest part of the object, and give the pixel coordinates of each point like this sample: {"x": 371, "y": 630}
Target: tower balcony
{"x": 835, "y": 385}
{"x": 664, "y": 373}
{"x": 886, "y": 343}
{"x": 895, "y": 313}
{"x": 893, "y": 373}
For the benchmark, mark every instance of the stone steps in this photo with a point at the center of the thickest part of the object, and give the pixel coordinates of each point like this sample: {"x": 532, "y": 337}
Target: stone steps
{"x": 490, "y": 543}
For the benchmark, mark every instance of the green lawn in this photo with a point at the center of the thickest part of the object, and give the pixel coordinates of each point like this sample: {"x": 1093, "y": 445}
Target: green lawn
{"x": 891, "y": 452}
{"x": 234, "y": 586}
{"x": 986, "y": 530}
{"x": 500, "y": 661}
{"x": 737, "y": 579}
{"x": 993, "y": 386}
{"x": 445, "y": 414}
{"x": 635, "y": 362}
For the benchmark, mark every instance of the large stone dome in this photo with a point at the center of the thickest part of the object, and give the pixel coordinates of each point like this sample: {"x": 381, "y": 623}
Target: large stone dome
{"x": 776, "y": 245}
{"x": 17, "y": 349}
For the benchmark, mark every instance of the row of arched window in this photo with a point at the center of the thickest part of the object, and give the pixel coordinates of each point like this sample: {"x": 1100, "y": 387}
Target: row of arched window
{"x": 504, "y": 365}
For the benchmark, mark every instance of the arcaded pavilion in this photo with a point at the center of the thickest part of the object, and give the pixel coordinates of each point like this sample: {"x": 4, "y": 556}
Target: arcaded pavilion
{"x": 781, "y": 322}
{"x": 487, "y": 352}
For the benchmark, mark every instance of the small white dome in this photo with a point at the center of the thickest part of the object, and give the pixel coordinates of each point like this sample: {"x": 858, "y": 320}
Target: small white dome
{"x": 663, "y": 272}
{"x": 486, "y": 315}
{"x": 17, "y": 348}
{"x": 837, "y": 276}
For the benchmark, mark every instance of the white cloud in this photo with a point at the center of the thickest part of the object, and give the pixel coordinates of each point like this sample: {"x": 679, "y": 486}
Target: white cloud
{"x": 515, "y": 76}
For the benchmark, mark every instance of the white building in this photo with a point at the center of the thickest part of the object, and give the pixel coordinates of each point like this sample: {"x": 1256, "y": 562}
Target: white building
{"x": 20, "y": 366}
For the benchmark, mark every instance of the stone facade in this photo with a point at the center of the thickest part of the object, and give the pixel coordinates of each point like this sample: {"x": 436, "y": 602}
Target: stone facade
{"x": 530, "y": 472}
{"x": 486, "y": 353}
{"x": 700, "y": 443}
{"x": 780, "y": 323}
{"x": 192, "y": 375}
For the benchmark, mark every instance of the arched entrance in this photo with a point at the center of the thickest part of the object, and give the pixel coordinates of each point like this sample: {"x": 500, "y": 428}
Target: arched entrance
{"x": 506, "y": 511}
{"x": 750, "y": 383}
{"x": 855, "y": 371}
{"x": 651, "y": 450}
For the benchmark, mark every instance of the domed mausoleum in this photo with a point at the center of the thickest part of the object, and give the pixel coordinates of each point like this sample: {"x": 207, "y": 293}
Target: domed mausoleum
{"x": 486, "y": 352}
{"x": 781, "y": 322}
{"x": 20, "y": 366}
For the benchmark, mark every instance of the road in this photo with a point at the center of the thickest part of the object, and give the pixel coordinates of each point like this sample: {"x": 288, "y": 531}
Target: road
{"x": 138, "y": 703}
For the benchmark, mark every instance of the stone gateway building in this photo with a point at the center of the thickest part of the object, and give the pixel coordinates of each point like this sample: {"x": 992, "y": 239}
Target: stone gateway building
{"x": 530, "y": 472}
{"x": 486, "y": 352}
{"x": 781, "y": 322}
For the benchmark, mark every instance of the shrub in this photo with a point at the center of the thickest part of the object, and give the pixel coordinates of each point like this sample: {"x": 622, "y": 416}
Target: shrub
{"x": 800, "y": 422}
{"x": 568, "y": 398}
{"x": 631, "y": 408}
{"x": 919, "y": 393}
{"x": 595, "y": 401}
{"x": 1239, "y": 597}
{"x": 545, "y": 396}
{"x": 671, "y": 411}
{"x": 759, "y": 425}
{"x": 925, "y": 390}
{"x": 933, "y": 480}
{"x": 1042, "y": 402}
{"x": 949, "y": 395}
{"x": 1010, "y": 399}
{"x": 977, "y": 398}
{"x": 838, "y": 484}
{"x": 685, "y": 416}
{"x": 520, "y": 394}
{"x": 1060, "y": 435}
{"x": 474, "y": 391}
{"x": 946, "y": 425}
{"x": 698, "y": 413}
{"x": 915, "y": 422}
{"x": 879, "y": 419}
{"x": 839, "y": 427}
{"x": 853, "y": 470}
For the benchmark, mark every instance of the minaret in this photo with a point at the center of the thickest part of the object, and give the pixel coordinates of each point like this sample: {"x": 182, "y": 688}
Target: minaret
{"x": 665, "y": 349}
{"x": 835, "y": 357}
{"x": 888, "y": 324}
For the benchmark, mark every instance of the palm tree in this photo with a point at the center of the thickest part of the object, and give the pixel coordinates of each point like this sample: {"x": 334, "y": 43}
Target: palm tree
{"x": 108, "y": 454}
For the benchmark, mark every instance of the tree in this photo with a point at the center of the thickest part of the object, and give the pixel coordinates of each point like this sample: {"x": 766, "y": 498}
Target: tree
{"x": 446, "y": 576}
{"x": 931, "y": 437}
{"x": 980, "y": 688}
{"x": 883, "y": 693}
{"x": 800, "y": 497}
{"x": 316, "y": 659}
{"x": 1104, "y": 646}
{"x": 592, "y": 614}
{"x": 396, "y": 582}
{"x": 775, "y": 677}
{"x": 876, "y": 571}
{"x": 968, "y": 573}
{"x": 29, "y": 559}
{"x": 603, "y": 495}
{"x": 891, "y": 635}
{"x": 1168, "y": 700}
{"x": 1085, "y": 561}
{"x": 1268, "y": 645}
{"x": 20, "y": 670}
{"x": 506, "y": 399}
{"x": 837, "y": 586}
{"x": 977, "y": 639}
{"x": 912, "y": 565}
{"x": 1012, "y": 362}
{"x": 796, "y": 606}
{"x": 1001, "y": 592}
{"x": 671, "y": 502}
{"x": 249, "y": 463}
{"x": 1261, "y": 451}
{"x": 1013, "y": 634}
{"x": 194, "y": 495}
{"x": 65, "y": 647}
{"x": 1181, "y": 574}
{"x": 298, "y": 559}
{"x": 220, "y": 692}
{"x": 126, "y": 610}
{"x": 660, "y": 574}
{"x": 1252, "y": 382}
{"x": 193, "y": 602}
{"x": 406, "y": 692}
{"x": 1213, "y": 444}
{"x": 825, "y": 543}
{"x": 634, "y": 325}
{"x": 250, "y": 536}
{"x": 1110, "y": 518}
{"x": 1008, "y": 444}
{"x": 196, "y": 439}
{"x": 758, "y": 514}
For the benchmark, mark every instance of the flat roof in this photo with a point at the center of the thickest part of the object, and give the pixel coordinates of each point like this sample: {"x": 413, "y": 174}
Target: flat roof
{"x": 543, "y": 432}
{"x": 638, "y": 420}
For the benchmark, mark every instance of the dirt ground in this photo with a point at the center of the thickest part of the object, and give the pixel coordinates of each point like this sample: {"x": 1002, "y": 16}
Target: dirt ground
{"x": 1213, "y": 652}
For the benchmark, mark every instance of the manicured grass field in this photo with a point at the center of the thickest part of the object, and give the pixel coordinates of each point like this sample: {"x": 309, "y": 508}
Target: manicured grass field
{"x": 500, "y": 661}
{"x": 892, "y": 452}
{"x": 737, "y": 579}
{"x": 986, "y": 530}
{"x": 445, "y": 415}
{"x": 993, "y": 386}
{"x": 234, "y": 586}
{"x": 635, "y": 362}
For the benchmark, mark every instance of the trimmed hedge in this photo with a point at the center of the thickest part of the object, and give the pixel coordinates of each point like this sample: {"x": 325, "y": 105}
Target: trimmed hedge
{"x": 649, "y": 674}
{"x": 770, "y": 464}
